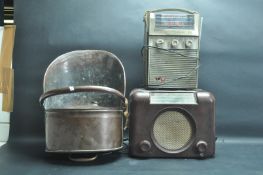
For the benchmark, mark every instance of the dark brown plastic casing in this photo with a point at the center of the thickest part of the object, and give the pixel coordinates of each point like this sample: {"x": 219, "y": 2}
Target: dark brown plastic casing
{"x": 143, "y": 115}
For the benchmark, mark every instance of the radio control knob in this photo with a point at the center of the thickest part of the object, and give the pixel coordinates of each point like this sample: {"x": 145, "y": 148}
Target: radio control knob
{"x": 201, "y": 147}
{"x": 159, "y": 42}
{"x": 188, "y": 43}
{"x": 175, "y": 43}
{"x": 145, "y": 146}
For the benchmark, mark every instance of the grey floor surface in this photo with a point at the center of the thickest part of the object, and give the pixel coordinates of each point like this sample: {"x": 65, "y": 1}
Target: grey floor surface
{"x": 233, "y": 156}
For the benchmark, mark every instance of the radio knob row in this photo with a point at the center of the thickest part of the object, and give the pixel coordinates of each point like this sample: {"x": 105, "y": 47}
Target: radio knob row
{"x": 201, "y": 147}
{"x": 174, "y": 43}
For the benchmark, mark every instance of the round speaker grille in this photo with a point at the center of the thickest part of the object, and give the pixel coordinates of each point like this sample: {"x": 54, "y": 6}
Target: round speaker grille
{"x": 172, "y": 130}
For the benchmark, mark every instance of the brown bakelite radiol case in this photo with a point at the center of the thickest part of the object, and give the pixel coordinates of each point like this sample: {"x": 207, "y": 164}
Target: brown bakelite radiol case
{"x": 179, "y": 124}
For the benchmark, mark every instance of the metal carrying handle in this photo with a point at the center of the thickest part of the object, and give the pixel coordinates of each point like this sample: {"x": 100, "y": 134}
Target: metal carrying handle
{"x": 83, "y": 159}
{"x": 173, "y": 9}
{"x": 75, "y": 89}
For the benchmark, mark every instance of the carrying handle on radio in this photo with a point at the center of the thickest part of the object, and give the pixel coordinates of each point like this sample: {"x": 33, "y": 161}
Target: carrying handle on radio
{"x": 173, "y": 9}
{"x": 75, "y": 89}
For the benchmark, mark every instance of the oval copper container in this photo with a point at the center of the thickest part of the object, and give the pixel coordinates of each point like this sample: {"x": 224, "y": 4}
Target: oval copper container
{"x": 84, "y": 99}
{"x": 72, "y": 131}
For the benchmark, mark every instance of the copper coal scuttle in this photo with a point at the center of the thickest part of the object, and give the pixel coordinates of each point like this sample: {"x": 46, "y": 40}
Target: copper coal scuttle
{"x": 84, "y": 102}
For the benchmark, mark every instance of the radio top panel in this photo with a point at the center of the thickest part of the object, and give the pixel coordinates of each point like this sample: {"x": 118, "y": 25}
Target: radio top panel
{"x": 173, "y": 22}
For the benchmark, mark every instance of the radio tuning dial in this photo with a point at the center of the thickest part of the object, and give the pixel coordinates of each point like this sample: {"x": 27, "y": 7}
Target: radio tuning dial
{"x": 159, "y": 42}
{"x": 175, "y": 43}
{"x": 145, "y": 146}
{"x": 188, "y": 43}
{"x": 201, "y": 147}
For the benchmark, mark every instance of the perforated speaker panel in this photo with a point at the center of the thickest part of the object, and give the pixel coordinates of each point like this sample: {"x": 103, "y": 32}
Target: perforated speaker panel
{"x": 172, "y": 66}
{"x": 172, "y": 130}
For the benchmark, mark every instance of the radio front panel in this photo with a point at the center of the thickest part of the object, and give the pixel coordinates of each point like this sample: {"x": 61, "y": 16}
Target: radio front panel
{"x": 178, "y": 124}
{"x": 171, "y": 49}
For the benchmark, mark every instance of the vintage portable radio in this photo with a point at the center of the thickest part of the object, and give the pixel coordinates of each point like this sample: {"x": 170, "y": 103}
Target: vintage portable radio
{"x": 177, "y": 124}
{"x": 171, "y": 48}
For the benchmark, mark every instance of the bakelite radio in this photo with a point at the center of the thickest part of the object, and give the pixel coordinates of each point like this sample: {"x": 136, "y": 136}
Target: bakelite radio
{"x": 172, "y": 124}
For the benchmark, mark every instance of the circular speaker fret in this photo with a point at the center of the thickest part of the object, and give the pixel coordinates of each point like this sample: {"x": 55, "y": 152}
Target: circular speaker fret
{"x": 172, "y": 130}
